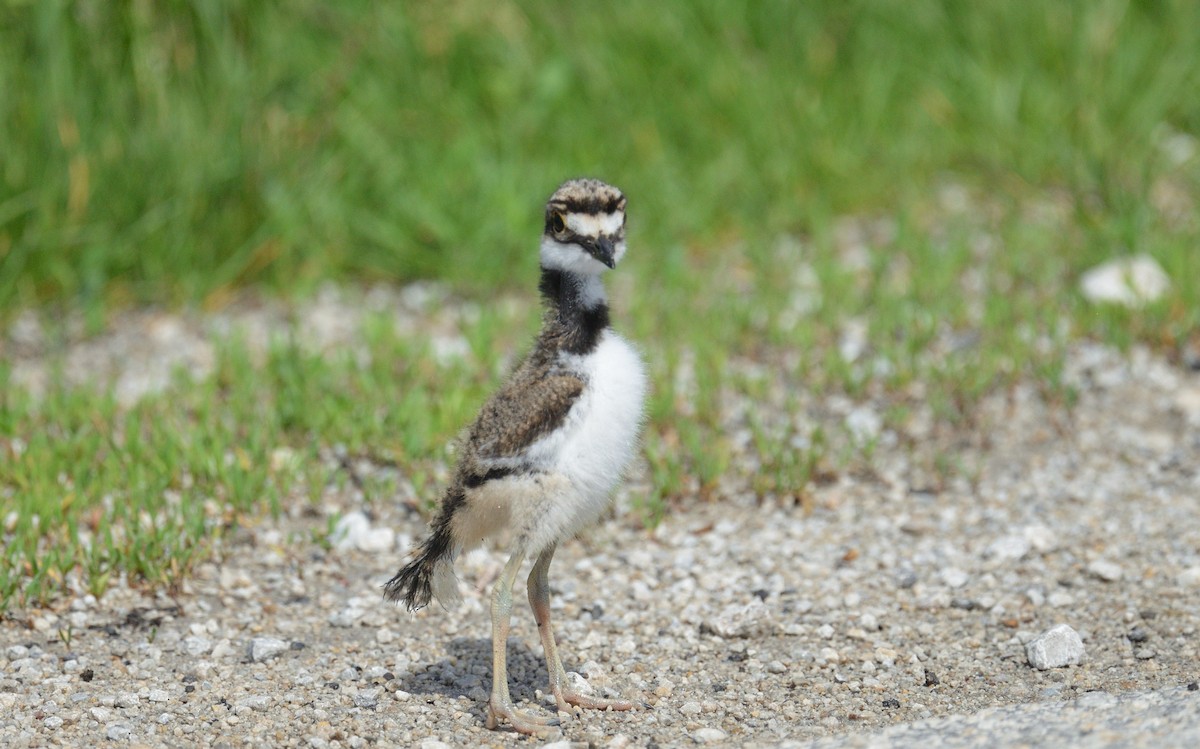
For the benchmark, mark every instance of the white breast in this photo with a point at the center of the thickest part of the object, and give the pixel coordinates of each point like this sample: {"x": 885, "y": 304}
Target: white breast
{"x": 600, "y": 436}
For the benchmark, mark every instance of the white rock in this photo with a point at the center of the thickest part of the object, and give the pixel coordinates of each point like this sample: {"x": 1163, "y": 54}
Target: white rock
{"x": 377, "y": 540}
{"x": 223, "y": 649}
{"x": 1179, "y": 148}
{"x": 1189, "y": 578}
{"x": 235, "y": 579}
{"x": 1105, "y": 570}
{"x": 264, "y": 648}
{"x": 347, "y": 617}
{"x": 1055, "y": 648}
{"x": 1060, "y": 599}
{"x": 864, "y": 424}
{"x": 736, "y": 620}
{"x": 350, "y": 527}
{"x": 448, "y": 349}
{"x": 592, "y": 670}
{"x": 1040, "y": 537}
{"x": 354, "y": 531}
{"x": 385, "y": 636}
{"x": 195, "y": 645}
{"x": 1187, "y": 399}
{"x": 1008, "y": 548}
{"x": 1131, "y": 281}
{"x": 708, "y": 735}
{"x": 258, "y": 703}
{"x": 954, "y": 577}
{"x": 853, "y": 341}
{"x": 579, "y": 685}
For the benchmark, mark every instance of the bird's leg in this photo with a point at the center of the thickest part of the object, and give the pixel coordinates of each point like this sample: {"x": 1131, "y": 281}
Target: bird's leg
{"x": 539, "y": 601}
{"x": 500, "y": 704}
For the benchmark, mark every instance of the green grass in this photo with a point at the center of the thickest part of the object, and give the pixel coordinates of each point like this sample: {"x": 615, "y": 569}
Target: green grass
{"x": 176, "y": 153}
{"x": 172, "y": 150}
{"x": 145, "y": 490}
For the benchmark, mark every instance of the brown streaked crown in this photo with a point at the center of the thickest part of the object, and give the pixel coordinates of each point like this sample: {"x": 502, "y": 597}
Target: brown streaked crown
{"x": 588, "y": 196}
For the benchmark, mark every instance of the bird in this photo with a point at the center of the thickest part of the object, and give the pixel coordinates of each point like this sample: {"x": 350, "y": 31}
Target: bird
{"x": 542, "y": 459}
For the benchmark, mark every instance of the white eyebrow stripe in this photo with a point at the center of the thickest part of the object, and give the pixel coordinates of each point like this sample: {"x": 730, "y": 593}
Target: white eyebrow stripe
{"x": 590, "y": 225}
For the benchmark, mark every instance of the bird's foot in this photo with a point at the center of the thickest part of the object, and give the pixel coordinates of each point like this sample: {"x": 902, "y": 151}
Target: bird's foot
{"x": 569, "y": 699}
{"x": 522, "y": 722}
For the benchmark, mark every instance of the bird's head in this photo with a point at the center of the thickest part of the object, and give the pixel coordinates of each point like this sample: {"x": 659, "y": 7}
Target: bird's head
{"x": 585, "y": 228}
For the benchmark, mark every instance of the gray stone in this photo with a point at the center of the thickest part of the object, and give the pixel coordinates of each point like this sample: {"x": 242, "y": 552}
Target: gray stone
{"x": 1055, "y": 648}
{"x": 196, "y": 646}
{"x": 708, "y": 735}
{"x": 1189, "y": 578}
{"x": 748, "y": 620}
{"x": 954, "y": 577}
{"x": 265, "y": 648}
{"x": 1104, "y": 570}
{"x": 1008, "y": 548}
{"x": 259, "y": 703}
{"x": 1130, "y": 282}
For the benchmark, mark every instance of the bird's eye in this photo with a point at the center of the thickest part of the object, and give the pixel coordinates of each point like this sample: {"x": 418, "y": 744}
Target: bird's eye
{"x": 557, "y": 223}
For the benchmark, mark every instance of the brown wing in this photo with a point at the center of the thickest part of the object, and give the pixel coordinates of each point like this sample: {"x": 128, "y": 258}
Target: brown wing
{"x": 523, "y": 412}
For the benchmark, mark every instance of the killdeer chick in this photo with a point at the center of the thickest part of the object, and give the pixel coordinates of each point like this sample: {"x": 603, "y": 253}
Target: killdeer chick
{"x": 546, "y": 451}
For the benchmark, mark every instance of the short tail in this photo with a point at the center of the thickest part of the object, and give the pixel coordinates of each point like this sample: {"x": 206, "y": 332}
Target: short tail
{"x": 430, "y": 575}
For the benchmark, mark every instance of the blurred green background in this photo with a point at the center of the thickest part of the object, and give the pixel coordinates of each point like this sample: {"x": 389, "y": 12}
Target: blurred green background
{"x": 169, "y": 151}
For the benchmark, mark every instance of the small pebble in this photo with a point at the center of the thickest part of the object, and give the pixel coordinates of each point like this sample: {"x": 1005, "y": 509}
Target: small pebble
{"x": 1105, "y": 570}
{"x": 1055, "y": 648}
{"x": 708, "y": 735}
{"x": 264, "y": 648}
{"x": 953, "y": 577}
{"x": 195, "y": 645}
{"x": 1189, "y": 578}
{"x": 746, "y": 620}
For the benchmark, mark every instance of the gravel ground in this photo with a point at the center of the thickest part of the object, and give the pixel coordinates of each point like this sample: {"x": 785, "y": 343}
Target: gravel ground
{"x": 894, "y": 609}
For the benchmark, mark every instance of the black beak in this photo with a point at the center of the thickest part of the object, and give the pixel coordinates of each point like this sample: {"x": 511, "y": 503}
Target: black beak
{"x": 602, "y": 249}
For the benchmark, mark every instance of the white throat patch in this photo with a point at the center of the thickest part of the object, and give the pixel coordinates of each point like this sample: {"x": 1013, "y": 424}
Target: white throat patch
{"x": 574, "y": 259}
